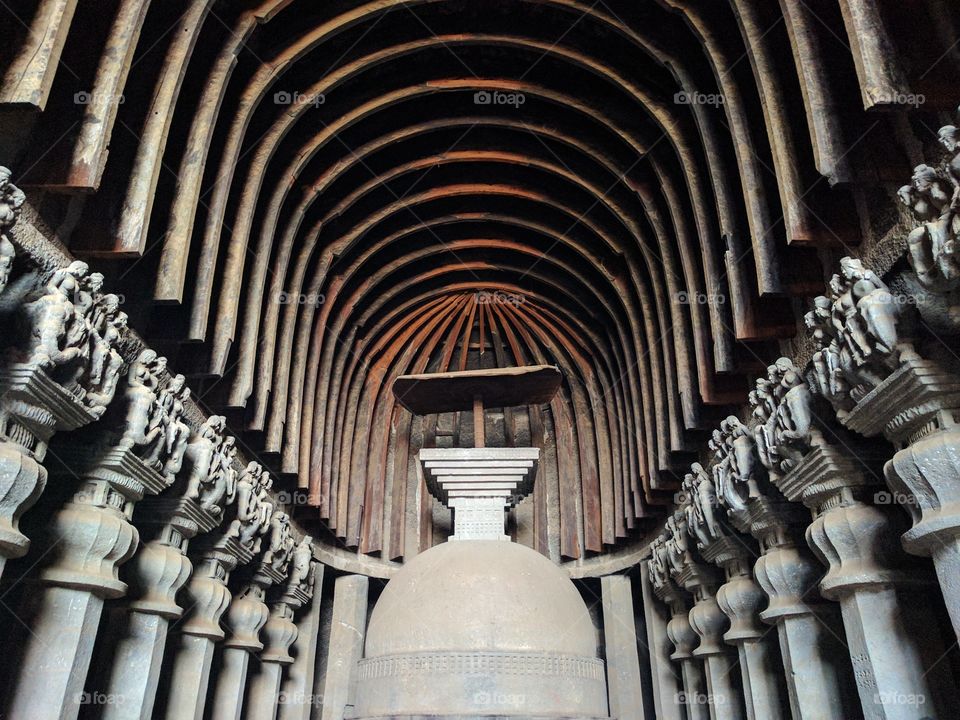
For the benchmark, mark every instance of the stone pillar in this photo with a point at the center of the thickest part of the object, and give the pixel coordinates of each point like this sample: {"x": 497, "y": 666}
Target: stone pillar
{"x": 818, "y": 674}
{"x": 191, "y": 651}
{"x": 695, "y": 695}
{"x": 27, "y": 419}
{"x": 247, "y": 614}
{"x": 815, "y": 659}
{"x": 280, "y": 632}
{"x": 247, "y": 516}
{"x": 156, "y": 574}
{"x": 925, "y": 475}
{"x": 889, "y": 622}
{"x": 890, "y": 626}
{"x": 263, "y": 692}
{"x": 624, "y": 687}
{"x": 92, "y": 537}
{"x": 666, "y": 682}
{"x": 761, "y": 668}
{"x": 740, "y": 598}
{"x": 32, "y": 408}
{"x": 709, "y": 623}
{"x": 296, "y": 690}
{"x": 870, "y": 371}
{"x": 346, "y": 645}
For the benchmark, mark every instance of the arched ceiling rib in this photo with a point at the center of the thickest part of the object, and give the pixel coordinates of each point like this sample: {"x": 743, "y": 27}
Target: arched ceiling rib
{"x": 304, "y": 200}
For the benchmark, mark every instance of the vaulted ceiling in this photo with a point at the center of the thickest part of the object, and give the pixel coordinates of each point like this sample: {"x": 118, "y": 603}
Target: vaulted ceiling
{"x": 301, "y": 200}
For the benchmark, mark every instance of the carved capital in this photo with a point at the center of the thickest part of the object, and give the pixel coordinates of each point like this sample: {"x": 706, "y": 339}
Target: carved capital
{"x": 246, "y": 616}
{"x": 790, "y": 578}
{"x": 860, "y": 546}
{"x": 155, "y": 575}
{"x": 11, "y": 204}
{"x": 927, "y": 473}
{"x": 90, "y": 538}
{"x": 206, "y": 596}
{"x": 864, "y": 331}
{"x": 251, "y": 515}
{"x": 681, "y": 634}
{"x": 22, "y": 479}
{"x": 742, "y": 600}
{"x": 279, "y": 634}
{"x": 70, "y": 330}
{"x": 709, "y": 623}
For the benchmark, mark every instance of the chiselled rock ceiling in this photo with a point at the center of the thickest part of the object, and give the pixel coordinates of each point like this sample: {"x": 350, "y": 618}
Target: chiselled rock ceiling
{"x": 301, "y": 200}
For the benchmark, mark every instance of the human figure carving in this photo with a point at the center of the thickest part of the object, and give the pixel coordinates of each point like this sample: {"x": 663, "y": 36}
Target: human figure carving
{"x": 11, "y": 204}
{"x": 253, "y": 511}
{"x": 57, "y": 332}
{"x": 701, "y": 516}
{"x": 205, "y": 481}
{"x": 933, "y": 197}
{"x": 281, "y": 542}
{"x": 301, "y": 573}
{"x": 140, "y": 428}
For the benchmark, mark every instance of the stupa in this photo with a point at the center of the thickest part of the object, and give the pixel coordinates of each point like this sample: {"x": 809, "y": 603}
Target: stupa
{"x": 479, "y": 625}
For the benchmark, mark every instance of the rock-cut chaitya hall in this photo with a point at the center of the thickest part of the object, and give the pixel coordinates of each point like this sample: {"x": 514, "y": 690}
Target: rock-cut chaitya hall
{"x": 479, "y": 359}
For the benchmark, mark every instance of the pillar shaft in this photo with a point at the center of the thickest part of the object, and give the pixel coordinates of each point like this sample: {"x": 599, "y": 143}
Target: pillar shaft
{"x": 135, "y": 671}
{"x": 189, "y": 677}
{"x": 889, "y": 622}
{"x": 898, "y": 676}
{"x": 624, "y": 687}
{"x": 346, "y": 644}
{"x": 296, "y": 691}
{"x": 63, "y": 629}
{"x": 666, "y": 679}
{"x": 696, "y": 694}
{"x": 723, "y": 695}
{"x": 264, "y": 691}
{"x": 226, "y": 702}
{"x": 763, "y": 679}
{"x": 815, "y": 658}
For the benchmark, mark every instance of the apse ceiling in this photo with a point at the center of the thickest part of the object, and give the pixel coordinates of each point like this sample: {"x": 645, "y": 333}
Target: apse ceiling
{"x": 302, "y": 200}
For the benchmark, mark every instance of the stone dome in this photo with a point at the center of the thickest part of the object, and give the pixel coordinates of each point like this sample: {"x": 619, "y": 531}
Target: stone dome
{"x": 481, "y": 595}
{"x": 481, "y": 627}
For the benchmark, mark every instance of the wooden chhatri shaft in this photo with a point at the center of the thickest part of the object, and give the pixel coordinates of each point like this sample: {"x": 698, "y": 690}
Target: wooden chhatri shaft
{"x": 478, "y": 431}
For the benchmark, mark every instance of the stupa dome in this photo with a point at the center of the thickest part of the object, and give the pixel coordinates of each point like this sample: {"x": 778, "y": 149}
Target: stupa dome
{"x": 481, "y": 627}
